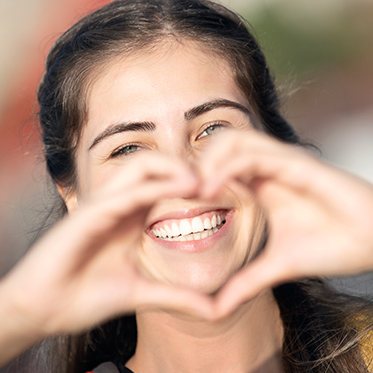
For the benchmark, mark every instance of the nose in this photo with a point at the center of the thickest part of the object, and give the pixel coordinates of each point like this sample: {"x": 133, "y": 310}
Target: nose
{"x": 177, "y": 144}
{"x": 182, "y": 151}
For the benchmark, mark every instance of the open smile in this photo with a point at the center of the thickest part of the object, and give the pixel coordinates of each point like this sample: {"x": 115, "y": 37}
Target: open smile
{"x": 191, "y": 229}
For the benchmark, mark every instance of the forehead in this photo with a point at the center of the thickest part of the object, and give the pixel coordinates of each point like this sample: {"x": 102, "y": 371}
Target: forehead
{"x": 162, "y": 82}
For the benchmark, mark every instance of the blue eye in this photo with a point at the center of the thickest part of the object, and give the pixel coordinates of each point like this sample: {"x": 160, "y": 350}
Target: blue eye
{"x": 210, "y": 130}
{"x": 124, "y": 150}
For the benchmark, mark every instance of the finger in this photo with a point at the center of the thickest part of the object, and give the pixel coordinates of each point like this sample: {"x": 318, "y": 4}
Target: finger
{"x": 217, "y": 152}
{"x": 144, "y": 195}
{"x": 79, "y": 232}
{"x": 234, "y": 142}
{"x": 238, "y": 168}
{"x": 260, "y": 275}
{"x": 146, "y": 167}
{"x": 251, "y": 168}
{"x": 92, "y": 224}
{"x": 154, "y": 295}
{"x": 230, "y": 157}
{"x": 251, "y": 143}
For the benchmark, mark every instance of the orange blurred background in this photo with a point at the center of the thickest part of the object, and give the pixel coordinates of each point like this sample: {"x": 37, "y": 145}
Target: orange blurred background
{"x": 27, "y": 31}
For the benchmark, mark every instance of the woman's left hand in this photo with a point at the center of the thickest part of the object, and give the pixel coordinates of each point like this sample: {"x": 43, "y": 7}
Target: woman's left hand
{"x": 85, "y": 270}
{"x": 319, "y": 217}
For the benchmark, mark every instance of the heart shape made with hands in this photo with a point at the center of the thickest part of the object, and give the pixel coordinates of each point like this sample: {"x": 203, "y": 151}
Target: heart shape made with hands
{"x": 128, "y": 201}
{"x": 87, "y": 261}
{"x": 311, "y": 233}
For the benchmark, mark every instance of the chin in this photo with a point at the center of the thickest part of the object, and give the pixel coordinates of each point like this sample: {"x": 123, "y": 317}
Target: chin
{"x": 203, "y": 284}
{"x": 207, "y": 275}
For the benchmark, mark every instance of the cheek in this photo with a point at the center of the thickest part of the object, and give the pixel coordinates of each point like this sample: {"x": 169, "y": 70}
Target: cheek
{"x": 83, "y": 172}
{"x": 251, "y": 222}
{"x": 91, "y": 176}
{"x": 258, "y": 236}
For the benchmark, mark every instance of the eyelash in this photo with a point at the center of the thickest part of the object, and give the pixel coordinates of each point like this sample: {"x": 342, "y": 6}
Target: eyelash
{"x": 217, "y": 124}
{"x": 124, "y": 149}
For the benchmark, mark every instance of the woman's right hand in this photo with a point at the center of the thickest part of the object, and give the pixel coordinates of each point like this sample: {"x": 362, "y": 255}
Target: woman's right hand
{"x": 84, "y": 271}
{"x": 319, "y": 217}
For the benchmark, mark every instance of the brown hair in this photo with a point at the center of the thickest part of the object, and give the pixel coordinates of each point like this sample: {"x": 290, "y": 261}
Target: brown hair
{"x": 319, "y": 326}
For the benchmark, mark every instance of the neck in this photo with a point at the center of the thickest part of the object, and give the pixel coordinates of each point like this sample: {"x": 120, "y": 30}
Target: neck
{"x": 249, "y": 340}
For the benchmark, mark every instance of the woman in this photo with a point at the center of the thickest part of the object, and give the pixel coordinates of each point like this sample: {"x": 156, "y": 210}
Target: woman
{"x": 183, "y": 211}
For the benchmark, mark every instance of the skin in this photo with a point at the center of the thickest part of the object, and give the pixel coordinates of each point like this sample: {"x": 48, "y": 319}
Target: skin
{"x": 160, "y": 88}
{"x": 319, "y": 220}
{"x": 100, "y": 257}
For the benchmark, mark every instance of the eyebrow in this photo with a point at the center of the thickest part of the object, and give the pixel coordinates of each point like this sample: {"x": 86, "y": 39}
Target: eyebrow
{"x": 150, "y": 126}
{"x": 123, "y": 127}
{"x": 215, "y": 104}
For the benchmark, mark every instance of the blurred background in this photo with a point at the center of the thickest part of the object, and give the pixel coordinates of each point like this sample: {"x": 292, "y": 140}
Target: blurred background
{"x": 321, "y": 53}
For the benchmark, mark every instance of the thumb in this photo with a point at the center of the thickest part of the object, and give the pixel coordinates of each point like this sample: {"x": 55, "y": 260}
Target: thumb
{"x": 261, "y": 274}
{"x": 150, "y": 294}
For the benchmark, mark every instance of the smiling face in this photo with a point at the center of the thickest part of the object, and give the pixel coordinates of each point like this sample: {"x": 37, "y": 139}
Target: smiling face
{"x": 173, "y": 99}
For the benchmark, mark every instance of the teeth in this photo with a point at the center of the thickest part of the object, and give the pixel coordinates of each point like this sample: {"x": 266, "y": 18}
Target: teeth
{"x": 163, "y": 233}
{"x": 207, "y": 223}
{"x": 196, "y": 236}
{"x": 175, "y": 230}
{"x": 188, "y": 230}
{"x": 185, "y": 227}
{"x": 197, "y": 225}
{"x": 168, "y": 230}
{"x": 213, "y": 221}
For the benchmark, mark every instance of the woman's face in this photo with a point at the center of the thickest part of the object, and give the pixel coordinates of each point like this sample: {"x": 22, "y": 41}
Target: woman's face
{"x": 169, "y": 87}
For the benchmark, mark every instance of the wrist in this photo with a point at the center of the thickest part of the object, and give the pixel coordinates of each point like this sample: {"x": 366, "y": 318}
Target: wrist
{"x": 18, "y": 330}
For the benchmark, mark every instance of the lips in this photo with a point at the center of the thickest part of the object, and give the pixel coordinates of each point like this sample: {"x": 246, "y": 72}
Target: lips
{"x": 189, "y": 229}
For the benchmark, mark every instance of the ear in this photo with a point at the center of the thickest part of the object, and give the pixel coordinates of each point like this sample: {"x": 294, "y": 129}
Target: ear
{"x": 69, "y": 196}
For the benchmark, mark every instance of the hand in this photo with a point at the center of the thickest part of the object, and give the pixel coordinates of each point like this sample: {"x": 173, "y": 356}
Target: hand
{"x": 84, "y": 271}
{"x": 320, "y": 218}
